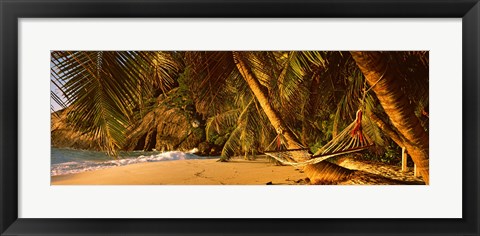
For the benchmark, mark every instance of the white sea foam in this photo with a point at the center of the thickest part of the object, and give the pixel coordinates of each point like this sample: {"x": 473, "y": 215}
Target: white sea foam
{"x": 73, "y": 167}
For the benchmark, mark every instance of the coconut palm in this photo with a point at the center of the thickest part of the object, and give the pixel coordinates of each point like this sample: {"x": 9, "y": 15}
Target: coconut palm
{"x": 104, "y": 88}
{"x": 245, "y": 97}
{"x": 266, "y": 75}
{"x": 382, "y": 74}
{"x": 279, "y": 83}
{"x": 320, "y": 172}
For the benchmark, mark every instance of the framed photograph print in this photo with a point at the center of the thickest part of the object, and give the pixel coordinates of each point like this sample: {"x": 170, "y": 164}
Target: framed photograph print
{"x": 239, "y": 117}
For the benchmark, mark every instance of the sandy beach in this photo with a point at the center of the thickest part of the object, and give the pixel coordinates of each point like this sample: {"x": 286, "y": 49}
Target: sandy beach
{"x": 235, "y": 172}
{"x": 188, "y": 172}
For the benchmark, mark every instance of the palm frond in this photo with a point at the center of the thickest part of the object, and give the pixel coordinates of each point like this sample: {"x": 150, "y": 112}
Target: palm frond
{"x": 233, "y": 144}
{"x": 102, "y": 87}
{"x": 208, "y": 73}
{"x": 163, "y": 71}
{"x": 249, "y": 131}
{"x": 372, "y": 131}
{"x": 221, "y": 122}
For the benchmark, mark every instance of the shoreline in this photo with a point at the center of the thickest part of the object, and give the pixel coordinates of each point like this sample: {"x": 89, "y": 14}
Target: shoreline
{"x": 234, "y": 172}
{"x": 188, "y": 172}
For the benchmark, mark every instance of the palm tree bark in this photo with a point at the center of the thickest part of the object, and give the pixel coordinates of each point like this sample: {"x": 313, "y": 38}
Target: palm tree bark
{"x": 323, "y": 172}
{"x": 381, "y": 76}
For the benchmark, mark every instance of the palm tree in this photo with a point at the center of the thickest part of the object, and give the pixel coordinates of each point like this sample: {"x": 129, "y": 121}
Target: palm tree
{"x": 113, "y": 95}
{"x": 104, "y": 88}
{"x": 320, "y": 172}
{"x": 277, "y": 81}
{"x": 382, "y": 75}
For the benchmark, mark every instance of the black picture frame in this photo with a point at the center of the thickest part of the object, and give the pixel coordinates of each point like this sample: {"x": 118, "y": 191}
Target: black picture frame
{"x": 11, "y": 11}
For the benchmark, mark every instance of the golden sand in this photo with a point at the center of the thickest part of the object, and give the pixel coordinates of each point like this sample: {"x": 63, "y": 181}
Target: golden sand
{"x": 188, "y": 172}
{"x": 235, "y": 172}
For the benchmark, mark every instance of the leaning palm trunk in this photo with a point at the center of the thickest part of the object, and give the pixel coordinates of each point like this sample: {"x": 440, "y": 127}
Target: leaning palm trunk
{"x": 323, "y": 172}
{"x": 386, "y": 84}
{"x": 387, "y": 129}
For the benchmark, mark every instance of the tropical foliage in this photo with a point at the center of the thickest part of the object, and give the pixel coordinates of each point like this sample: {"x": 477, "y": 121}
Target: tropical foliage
{"x": 235, "y": 102}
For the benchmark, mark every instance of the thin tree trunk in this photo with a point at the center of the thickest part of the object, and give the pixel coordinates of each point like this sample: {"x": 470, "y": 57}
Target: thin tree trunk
{"x": 387, "y": 129}
{"x": 386, "y": 84}
{"x": 323, "y": 172}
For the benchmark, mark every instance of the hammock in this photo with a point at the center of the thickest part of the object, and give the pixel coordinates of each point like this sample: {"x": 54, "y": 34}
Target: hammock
{"x": 350, "y": 140}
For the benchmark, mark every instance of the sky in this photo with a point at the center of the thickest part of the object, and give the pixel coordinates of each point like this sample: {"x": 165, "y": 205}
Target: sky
{"x": 54, "y": 105}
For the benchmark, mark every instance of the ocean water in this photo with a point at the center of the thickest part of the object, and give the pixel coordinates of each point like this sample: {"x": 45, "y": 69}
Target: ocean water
{"x": 71, "y": 161}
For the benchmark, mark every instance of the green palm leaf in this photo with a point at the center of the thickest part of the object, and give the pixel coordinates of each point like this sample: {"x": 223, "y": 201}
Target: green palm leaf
{"x": 221, "y": 122}
{"x": 102, "y": 88}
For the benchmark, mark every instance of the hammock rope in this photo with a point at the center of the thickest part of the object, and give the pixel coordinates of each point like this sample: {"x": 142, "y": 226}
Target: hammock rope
{"x": 350, "y": 140}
